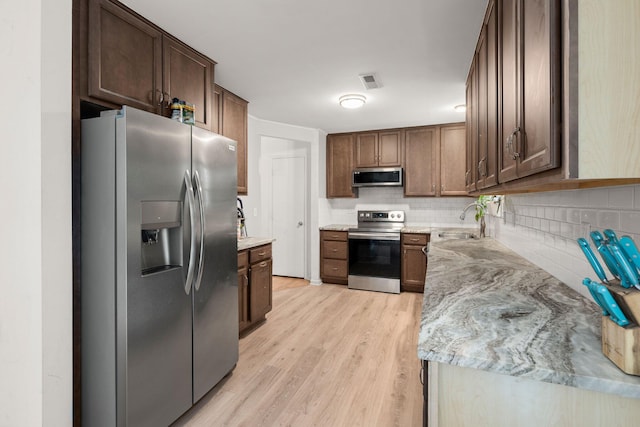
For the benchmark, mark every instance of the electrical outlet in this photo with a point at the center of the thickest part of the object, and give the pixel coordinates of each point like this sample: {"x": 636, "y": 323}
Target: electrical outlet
{"x": 495, "y": 206}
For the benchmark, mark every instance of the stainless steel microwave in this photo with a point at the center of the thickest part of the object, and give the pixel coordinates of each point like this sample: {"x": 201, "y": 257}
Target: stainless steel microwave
{"x": 377, "y": 177}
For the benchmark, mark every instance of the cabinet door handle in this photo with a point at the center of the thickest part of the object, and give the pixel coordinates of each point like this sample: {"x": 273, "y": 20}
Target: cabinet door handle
{"x": 515, "y": 154}
{"x": 334, "y": 250}
{"x": 466, "y": 178}
{"x": 414, "y": 239}
{"x": 263, "y": 264}
{"x": 482, "y": 167}
{"x": 261, "y": 253}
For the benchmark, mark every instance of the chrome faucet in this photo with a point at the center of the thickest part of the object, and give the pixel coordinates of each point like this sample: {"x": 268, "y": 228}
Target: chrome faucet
{"x": 483, "y": 225}
{"x": 464, "y": 212}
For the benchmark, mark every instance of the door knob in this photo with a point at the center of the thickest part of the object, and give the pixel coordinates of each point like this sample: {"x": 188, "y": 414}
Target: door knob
{"x": 300, "y": 223}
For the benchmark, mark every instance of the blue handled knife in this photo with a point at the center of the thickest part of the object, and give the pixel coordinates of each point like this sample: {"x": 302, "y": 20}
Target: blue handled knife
{"x": 628, "y": 275}
{"x": 599, "y": 242}
{"x": 603, "y": 298}
{"x": 591, "y": 257}
{"x": 628, "y": 247}
{"x": 610, "y": 235}
{"x": 612, "y": 238}
{"x": 587, "y": 282}
{"x": 615, "y": 312}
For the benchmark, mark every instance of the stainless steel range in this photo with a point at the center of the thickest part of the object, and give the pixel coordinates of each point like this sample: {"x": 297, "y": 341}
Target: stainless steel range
{"x": 374, "y": 251}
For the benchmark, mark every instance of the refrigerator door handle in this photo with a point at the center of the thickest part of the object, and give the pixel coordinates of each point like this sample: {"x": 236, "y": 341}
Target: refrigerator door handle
{"x": 198, "y": 192}
{"x": 192, "y": 218}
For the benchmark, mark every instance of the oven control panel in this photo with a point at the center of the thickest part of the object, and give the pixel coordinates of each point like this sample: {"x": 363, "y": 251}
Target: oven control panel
{"x": 381, "y": 216}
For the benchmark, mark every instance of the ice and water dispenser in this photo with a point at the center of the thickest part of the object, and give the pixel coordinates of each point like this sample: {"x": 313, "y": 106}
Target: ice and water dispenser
{"x": 161, "y": 236}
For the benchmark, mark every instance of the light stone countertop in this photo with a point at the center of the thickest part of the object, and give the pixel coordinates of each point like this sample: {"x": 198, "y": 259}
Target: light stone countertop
{"x": 337, "y": 227}
{"x": 485, "y": 307}
{"x": 252, "y": 242}
{"x": 413, "y": 228}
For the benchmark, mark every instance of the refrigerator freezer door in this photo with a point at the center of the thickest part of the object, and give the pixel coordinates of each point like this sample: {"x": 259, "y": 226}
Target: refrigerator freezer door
{"x": 154, "y": 331}
{"x": 215, "y": 303}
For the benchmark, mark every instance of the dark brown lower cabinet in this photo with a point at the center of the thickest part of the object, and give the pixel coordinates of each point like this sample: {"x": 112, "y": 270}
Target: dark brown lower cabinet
{"x": 424, "y": 377}
{"x": 243, "y": 289}
{"x": 255, "y": 267}
{"x": 334, "y": 257}
{"x": 260, "y": 289}
{"x": 414, "y": 262}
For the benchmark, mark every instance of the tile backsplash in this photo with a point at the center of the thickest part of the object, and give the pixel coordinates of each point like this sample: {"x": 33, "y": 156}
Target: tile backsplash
{"x": 543, "y": 227}
{"x": 436, "y": 211}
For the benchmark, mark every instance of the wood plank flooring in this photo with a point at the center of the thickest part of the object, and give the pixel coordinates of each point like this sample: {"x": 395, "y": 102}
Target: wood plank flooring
{"x": 326, "y": 356}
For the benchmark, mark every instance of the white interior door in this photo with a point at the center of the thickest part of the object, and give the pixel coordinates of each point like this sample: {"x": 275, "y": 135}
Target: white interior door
{"x": 289, "y": 183}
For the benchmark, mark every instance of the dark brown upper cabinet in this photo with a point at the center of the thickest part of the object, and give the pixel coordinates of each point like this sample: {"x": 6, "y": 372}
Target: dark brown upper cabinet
{"x": 231, "y": 120}
{"x": 379, "y": 149}
{"x": 531, "y": 93}
{"x": 452, "y": 165}
{"x": 487, "y": 55}
{"x": 482, "y": 104}
{"x": 124, "y": 58}
{"x": 132, "y": 62}
{"x": 340, "y": 161}
{"x": 188, "y": 75}
{"x": 470, "y": 175}
{"x": 421, "y": 159}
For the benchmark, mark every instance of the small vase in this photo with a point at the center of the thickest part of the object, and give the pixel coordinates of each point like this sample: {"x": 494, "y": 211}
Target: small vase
{"x": 483, "y": 226}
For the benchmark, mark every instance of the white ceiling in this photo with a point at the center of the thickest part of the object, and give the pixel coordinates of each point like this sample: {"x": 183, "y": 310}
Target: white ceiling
{"x": 293, "y": 59}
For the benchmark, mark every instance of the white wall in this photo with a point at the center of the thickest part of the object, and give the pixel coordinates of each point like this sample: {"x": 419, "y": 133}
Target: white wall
{"x": 543, "y": 227}
{"x": 35, "y": 169}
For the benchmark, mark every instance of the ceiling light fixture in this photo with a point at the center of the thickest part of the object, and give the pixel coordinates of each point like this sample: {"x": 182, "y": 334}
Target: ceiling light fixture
{"x": 460, "y": 108}
{"x": 352, "y": 100}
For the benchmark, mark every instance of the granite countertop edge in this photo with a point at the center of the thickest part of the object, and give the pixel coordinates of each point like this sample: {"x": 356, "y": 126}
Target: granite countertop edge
{"x": 485, "y": 307}
{"x": 252, "y": 242}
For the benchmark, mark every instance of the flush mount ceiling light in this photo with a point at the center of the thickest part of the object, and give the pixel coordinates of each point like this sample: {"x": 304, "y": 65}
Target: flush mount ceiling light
{"x": 460, "y": 108}
{"x": 352, "y": 100}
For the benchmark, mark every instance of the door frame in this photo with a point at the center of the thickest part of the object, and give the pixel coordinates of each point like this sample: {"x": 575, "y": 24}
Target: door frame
{"x": 295, "y": 149}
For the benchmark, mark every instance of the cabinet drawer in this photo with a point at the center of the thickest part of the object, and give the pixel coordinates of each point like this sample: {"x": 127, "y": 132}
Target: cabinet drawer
{"x": 243, "y": 259}
{"x": 335, "y": 250}
{"x": 259, "y": 254}
{"x": 334, "y": 268}
{"x": 340, "y": 236}
{"x": 414, "y": 239}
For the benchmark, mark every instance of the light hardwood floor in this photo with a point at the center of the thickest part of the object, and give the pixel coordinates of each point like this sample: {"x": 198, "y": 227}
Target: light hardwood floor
{"x": 326, "y": 356}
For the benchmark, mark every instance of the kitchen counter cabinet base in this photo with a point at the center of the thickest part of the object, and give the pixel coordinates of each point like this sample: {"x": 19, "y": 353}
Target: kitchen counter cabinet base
{"x": 467, "y": 396}
{"x": 255, "y": 285}
{"x": 334, "y": 256}
{"x": 497, "y": 328}
{"x": 414, "y": 262}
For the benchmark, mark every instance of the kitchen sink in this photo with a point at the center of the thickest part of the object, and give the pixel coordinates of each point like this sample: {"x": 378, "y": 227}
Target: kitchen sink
{"x": 456, "y": 235}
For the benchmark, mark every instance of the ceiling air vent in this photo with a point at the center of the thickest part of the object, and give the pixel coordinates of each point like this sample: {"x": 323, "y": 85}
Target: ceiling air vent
{"x": 370, "y": 81}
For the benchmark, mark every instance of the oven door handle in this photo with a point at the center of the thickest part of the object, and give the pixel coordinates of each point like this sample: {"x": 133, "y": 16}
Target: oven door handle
{"x": 374, "y": 236}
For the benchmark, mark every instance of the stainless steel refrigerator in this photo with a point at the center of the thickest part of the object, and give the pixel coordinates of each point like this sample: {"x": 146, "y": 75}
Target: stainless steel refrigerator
{"x": 159, "y": 267}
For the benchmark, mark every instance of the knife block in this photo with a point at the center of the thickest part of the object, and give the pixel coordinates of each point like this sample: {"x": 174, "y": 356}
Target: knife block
{"x": 628, "y": 299}
{"x": 621, "y": 345}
